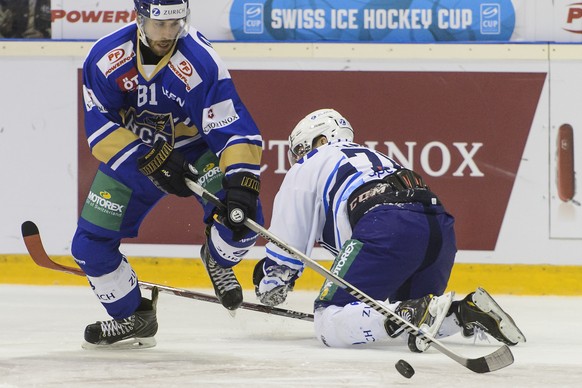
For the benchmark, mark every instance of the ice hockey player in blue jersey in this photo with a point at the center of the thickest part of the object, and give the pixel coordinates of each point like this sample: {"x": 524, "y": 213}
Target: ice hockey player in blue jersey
{"x": 390, "y": 235}
{"x": 160, "y": 106}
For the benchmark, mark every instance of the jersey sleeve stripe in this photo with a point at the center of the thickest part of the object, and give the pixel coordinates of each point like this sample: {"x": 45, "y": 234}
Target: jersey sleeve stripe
{"x": 113, "y": 143}
{"x": 124, "y": 157}
{"x": 328, "y": 184}
{"x": 240, "y": 154}
{"x": 183, "y": 130}
{"x": 100, "y": 132}
{"x": 294, "y": 263}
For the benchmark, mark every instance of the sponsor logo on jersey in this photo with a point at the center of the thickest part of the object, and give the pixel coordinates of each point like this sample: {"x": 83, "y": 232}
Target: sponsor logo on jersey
{"x": 219, "y": 116}
{"x": 184, "y": 70}
{"x": 172, "y": 96}
{"x": 116, "y": 58}
{"x": 128, "y": 81}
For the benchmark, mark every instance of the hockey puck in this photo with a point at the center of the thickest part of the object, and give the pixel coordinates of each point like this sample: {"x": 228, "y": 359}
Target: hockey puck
{"x": 405, "y": 369}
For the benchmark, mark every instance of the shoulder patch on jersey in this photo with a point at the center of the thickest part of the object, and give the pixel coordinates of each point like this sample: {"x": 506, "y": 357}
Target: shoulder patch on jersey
{"x": 116, "y": 58}
{"x": 218, "y": 116}
{"x": 184, "y": 70}
{"x": 91, "y": 100}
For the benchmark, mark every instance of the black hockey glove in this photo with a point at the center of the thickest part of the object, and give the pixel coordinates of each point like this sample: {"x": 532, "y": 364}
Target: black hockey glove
{"x": 242, "y": 192}
{"x": 167, "y": 169}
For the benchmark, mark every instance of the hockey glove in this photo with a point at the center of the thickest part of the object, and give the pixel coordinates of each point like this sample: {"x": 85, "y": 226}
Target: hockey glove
{"x": 242, "y": 193}
{"x": 273, "y": 283}
{"x": 167, "y": 168}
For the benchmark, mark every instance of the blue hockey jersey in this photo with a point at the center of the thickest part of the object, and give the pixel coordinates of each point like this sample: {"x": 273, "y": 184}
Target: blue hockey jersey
{"x": 188, "y": 99}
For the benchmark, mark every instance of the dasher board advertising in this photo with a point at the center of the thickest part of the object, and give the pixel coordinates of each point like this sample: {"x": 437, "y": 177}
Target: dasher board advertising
{"x": 383, "y": 21}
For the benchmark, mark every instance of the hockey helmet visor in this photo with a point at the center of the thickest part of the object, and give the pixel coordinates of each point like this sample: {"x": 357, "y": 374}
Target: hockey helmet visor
{"x": 162, "y": 19}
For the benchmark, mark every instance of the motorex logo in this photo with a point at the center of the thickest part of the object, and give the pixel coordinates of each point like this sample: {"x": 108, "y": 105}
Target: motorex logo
{"x": 106, "y": 203}
{"x": 490, "y": 19}
{"x": 253, "y": 18}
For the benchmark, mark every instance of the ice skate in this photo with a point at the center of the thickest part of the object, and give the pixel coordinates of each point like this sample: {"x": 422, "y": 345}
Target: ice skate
{"x": 478, "y": 311}
{"x": 426, "y": 313}
{"x": 134, "y": 332}
{"x": 226, "y": 286}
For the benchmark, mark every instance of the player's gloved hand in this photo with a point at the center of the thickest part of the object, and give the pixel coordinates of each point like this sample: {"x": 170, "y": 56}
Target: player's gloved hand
{"x": 242, "y": 193}
{"x": 273, "y": 282}
{"x": 167, "y": 169}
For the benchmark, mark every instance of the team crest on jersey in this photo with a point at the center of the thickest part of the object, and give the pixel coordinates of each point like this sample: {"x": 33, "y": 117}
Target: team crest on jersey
{"x": 184, "y": 70}
{"x": 150, "y": 126}
{"x": 158, "y": 122}
{"x": 116, "y": 58}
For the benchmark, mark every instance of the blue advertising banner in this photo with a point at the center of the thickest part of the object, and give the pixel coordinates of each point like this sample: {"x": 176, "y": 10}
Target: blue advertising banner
{"x": 397, "y": 21}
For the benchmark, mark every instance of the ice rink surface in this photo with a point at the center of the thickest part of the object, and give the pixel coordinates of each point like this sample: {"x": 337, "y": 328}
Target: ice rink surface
{"x": 201, "y": 345}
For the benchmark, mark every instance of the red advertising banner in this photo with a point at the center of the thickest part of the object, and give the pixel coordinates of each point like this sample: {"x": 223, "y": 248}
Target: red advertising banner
{"x": 464, "y": 132}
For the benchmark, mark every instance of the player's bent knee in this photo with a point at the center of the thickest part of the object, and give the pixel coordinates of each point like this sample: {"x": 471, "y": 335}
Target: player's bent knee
{"x": 355, "y": 324}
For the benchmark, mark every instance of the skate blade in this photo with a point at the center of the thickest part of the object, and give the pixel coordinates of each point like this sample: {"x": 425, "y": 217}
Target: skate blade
{"x": 439, "y": 310}
{"x": 507, "y": 326}
{"x": 129, "y": 344}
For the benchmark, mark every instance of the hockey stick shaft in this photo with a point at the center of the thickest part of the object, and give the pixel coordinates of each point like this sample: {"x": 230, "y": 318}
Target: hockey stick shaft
{"x": 35, "y": 248}
{"x": 500, "y": 358}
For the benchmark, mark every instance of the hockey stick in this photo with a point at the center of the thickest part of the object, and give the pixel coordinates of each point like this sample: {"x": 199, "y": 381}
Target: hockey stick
{"x": 500, "y": 358}
{"x": 35, "y": 248}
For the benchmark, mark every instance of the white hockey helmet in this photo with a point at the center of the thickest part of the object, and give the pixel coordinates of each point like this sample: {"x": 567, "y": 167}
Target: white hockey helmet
{"x": 322, "y": 122}
{"x": 159, "y": 11}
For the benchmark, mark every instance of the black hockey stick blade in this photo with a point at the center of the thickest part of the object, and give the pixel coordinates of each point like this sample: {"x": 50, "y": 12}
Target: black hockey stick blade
{"x": 500, "y": 358}
{"x": 33, "y": 242}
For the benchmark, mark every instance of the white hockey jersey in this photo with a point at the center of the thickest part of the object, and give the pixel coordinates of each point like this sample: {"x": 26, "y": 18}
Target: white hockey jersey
{"x": 311, "y": 205}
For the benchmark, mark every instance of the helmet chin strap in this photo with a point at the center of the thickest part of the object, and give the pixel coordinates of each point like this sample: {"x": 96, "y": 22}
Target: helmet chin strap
{"x": 141, "y": 33}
